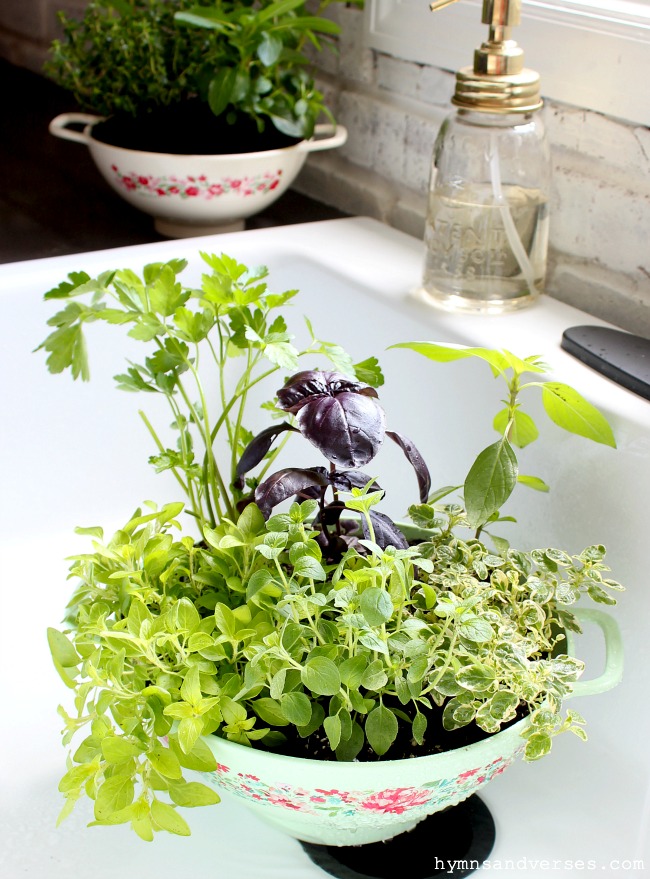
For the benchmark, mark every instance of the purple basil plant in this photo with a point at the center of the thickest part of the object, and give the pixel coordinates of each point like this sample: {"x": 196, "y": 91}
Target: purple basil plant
{"x": 342, "y": 418}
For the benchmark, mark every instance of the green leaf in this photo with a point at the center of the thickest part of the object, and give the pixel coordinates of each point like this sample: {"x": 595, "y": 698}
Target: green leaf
{"x": 192, "y": 794}
{"x": 522, "y": 431}
{"x": 164, "y": 761}
{"x": 179, "y": 710}
{"x": 167, "y": 818}
{"x": 133, "y": 381}
{"x": 65, "y": 288}
{"x": 376, "y": 605}
{"x": 569, "y": 410}
{"x": 61, "y": 649}
{"x": 165, "y": 294}
{"x": 271, "y": 711}
{"x": 373, "y": 642}
{"x": 208, "y": 18}
{"x": 477, "y": 630}
{"x": 193, "y": 326}
{"x": 296, "y": 708}
{"x": 269, "y": 48}
{"x": 277, "y": 9}
{"x": 321, "y": 676}
{"x": 262, "y": 581}
{"x": 457, "y": 714}
{"x": 221, "y": 88}
{"x": 147, "y": 328}
{"x": 142, "y": 825}
{"x": 442, "y": 353}
{"x": 538, "y": 745}
{"x": 191, "y": 687}
{"x": 189, "y": 730}
{"x": 199, "y": 641}
{"x": 476, "y": 678}
{"x": 77, "y": 776}
{"x": 199, "y": 758}
{"x": 532, "y": 482}
{"x": 349, "y": 748}
{"x": 369, "y": 372}
{"x": 118, "y": 749}
{"x": 282, "y": 354}
{"x": 317, "y": 716}
{"x": 225, "y": 620}
{"x": 251, "y": 521}
{"x": 114, "y": 794}
{"x": 352, "y": 670}
{"x": 381, "y": 729}
{"x": 187, "y": 616}
{"x": 67, "y": 347}
{"x": 374, "y": 677}
{"x": 278, "y": 683}
{"x": 418, "y": 667}
{"x": 308, "y": 566}
{"x": 419, "y": 727}
{"x": 490, "y": 482}
{"x": 502, "y": 705}
{"x": 332, "y": 726}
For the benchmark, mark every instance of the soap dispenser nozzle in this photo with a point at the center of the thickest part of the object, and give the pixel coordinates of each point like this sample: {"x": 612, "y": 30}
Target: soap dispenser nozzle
{"x": 497, "y": 82}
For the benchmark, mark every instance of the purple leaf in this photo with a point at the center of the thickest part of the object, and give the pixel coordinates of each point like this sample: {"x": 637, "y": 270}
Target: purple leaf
{"x": 416, "y": 460}
{"x": 330, "y": 514}
{"x": 348, "y": 428}
{"x": 285, "y": 483}
{"x": 386, "y": 531}
{"x": 346, "y": 480}
{"x": 337, "y": 414}
{"x": 257, "y": 449}
{"x": 303, "y": 386}
{"x": 314, "y": 492}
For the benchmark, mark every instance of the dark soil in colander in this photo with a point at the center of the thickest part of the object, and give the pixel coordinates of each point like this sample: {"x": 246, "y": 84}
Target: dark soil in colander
{"x": 189, "y": 128}
{"x": 437, "y": 740}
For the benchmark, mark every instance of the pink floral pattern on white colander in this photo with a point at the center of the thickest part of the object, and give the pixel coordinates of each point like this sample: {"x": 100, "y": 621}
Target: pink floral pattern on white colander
{"x": 200, "y": 187}
{"x": 391, "y": 801}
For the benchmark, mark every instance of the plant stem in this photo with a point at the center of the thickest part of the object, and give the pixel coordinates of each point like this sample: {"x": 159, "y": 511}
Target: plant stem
{"x": 234, "y": 443}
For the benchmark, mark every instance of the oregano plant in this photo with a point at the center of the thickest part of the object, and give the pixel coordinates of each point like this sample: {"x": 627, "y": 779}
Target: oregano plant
{"x": 295, "y": 615}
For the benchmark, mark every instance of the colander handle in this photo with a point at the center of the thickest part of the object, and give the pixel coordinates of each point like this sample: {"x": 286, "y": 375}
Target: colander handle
{"x": 326, "y": 137}
{"x": 59, "y": 126}
{"x": 613, "y": 671}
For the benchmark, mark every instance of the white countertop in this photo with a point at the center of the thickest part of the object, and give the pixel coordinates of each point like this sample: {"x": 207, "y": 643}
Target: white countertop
{"x": 76, "y": 454}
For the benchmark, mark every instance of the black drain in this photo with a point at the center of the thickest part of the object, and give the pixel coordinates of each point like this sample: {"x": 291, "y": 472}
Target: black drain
{"x": 454, "y": 842}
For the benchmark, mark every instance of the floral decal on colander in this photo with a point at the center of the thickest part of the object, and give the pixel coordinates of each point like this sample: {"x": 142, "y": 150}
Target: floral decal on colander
{"x": 196, "y": 187}
{"x": 391, "y": 801}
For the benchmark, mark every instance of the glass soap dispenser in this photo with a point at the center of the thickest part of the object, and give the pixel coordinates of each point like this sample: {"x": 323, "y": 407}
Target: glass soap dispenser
{"x": 486, "y": 232}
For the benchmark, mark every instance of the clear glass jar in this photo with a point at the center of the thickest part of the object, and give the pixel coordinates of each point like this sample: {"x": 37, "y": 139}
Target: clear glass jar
{"x": 486, "y": 233}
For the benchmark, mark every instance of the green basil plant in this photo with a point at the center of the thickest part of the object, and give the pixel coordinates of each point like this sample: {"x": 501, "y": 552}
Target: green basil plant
{"x": 289, "y": 610}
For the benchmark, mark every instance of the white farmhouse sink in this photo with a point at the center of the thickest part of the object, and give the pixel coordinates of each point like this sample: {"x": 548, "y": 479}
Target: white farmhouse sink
{"x": 76, "y": 455}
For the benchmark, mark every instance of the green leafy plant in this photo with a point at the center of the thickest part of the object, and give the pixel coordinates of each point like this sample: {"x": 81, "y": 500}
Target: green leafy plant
{"x": 323, "y": 622}
{"x": 495, "y": 472}
{"x": 131, "y": 56}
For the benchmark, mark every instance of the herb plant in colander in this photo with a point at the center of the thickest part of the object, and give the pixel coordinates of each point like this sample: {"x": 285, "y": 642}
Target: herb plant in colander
{"x": 198, "y": 114}
{"x": 344, "y": 675}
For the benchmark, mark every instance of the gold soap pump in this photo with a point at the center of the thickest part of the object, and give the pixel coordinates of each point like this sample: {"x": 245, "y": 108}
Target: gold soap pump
{"x": 486, "y": 232}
